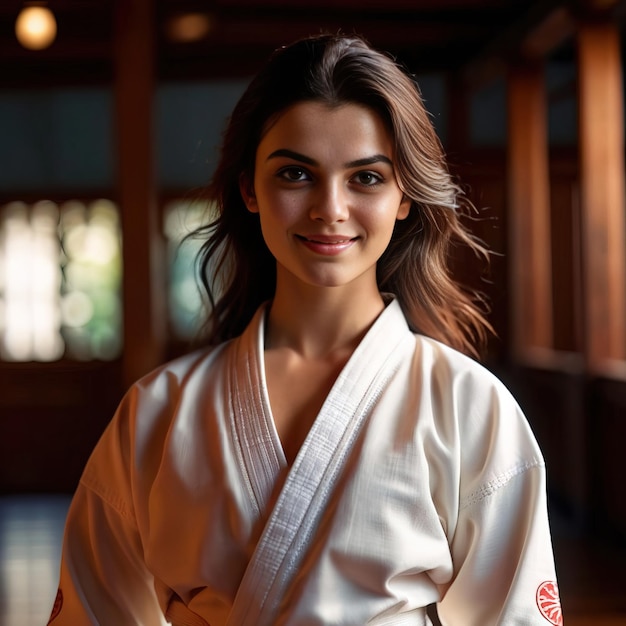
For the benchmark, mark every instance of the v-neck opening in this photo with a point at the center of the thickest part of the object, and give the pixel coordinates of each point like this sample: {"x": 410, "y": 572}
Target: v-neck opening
{"x": 267, "y": 405}
{"x": 260, "y": 448}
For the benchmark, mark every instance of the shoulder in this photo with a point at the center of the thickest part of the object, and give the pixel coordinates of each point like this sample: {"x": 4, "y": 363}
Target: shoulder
{"x": 174, "y": 377}
{"x": 475, "y": 411}
{"x": 457, "y": 373}
{"x": 149, "y": 407}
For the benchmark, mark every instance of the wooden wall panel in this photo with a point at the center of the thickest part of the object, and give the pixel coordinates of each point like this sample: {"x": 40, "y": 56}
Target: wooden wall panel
{"x": 566, "y": 254}
{"x": 601, "y": 131}
{"x": 528, "y": 209}
{"x": 51, "y": 416}
{"x": 607, "y": 428}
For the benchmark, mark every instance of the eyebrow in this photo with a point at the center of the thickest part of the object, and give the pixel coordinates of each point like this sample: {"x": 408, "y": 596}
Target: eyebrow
{"x": 296, "y": 156}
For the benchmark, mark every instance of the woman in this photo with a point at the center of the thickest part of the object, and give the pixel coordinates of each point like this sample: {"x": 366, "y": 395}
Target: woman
{"x": 333, "y": 458}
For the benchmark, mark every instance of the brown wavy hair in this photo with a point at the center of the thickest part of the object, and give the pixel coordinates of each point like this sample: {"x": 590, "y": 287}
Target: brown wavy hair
{"x": 236, "y": 268}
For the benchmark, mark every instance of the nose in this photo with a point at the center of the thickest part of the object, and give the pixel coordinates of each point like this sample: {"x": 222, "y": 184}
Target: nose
{"x": 329, "y": 203}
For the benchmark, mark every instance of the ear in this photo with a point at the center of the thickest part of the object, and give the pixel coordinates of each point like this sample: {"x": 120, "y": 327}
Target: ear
{"x": 246, "y": 188}
{"x": 404, "y": 208}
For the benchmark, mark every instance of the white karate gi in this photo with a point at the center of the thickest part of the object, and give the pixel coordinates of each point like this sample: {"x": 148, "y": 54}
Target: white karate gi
{"x": 419, "y": 482}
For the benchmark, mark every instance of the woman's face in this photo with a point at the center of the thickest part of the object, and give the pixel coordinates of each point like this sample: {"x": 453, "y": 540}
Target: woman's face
{"x": 326, "y": 193}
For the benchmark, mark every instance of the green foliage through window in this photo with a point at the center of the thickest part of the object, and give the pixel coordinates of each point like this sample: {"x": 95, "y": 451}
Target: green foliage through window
{"x": 60, "y": 280}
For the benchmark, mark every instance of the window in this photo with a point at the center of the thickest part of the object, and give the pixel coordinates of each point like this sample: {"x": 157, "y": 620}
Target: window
{"x": 60, "y": 278}
{"x": 184, "y": 296}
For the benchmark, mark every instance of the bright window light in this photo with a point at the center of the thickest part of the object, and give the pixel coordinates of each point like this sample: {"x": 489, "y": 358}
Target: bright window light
{"x": 60, "y": 281}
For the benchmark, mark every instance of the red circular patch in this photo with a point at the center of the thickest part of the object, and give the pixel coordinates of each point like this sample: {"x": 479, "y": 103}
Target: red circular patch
{"x": 549, "y": 602}
{"x": 58, "y": 603}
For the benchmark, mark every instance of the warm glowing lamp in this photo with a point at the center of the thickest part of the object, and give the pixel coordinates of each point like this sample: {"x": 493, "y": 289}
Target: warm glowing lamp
{"x": 35, "y": 27}
{"x": 189, "y": 27}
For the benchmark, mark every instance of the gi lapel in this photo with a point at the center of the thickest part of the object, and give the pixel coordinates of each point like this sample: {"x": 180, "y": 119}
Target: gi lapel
{"x": 260, "y": 453}
{"x": 317, "y": 467}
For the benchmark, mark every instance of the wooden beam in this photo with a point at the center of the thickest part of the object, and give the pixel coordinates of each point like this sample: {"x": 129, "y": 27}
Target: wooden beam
{"x": 557, "y": 27}
{"x": 601, "y": 131}
{"x": 144, "y": 328}
{"x": 546, "y": 26}
{"x": 529, "y": 213}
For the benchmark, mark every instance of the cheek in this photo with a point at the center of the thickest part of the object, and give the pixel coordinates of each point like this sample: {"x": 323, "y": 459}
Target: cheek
{"x": 276, "y": 217}
{"x": 380, "y": 219}
{"x": 279, "y": 208}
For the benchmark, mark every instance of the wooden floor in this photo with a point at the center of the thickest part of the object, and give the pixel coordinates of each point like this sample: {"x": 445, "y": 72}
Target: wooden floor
{"x": 592, "y": 575}
{"x": 31, "y": 529}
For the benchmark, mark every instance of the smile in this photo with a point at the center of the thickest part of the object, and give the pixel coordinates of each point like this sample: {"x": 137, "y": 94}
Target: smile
{"x": 327, "y": 244}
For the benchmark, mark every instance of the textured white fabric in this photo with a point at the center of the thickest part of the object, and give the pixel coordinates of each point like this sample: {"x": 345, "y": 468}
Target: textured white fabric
{"x": 419, "y": 482}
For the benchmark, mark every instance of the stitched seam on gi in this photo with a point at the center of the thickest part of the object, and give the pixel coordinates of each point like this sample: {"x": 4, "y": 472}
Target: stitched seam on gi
{"x": 115, "y": 502}
{"x": 497, "y": 483}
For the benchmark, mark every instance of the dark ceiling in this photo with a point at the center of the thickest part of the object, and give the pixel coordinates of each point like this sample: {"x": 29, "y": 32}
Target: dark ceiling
{"x": 427, "y": 35}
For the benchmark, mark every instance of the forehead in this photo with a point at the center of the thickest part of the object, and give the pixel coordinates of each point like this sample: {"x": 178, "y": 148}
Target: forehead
{"x": 312, "y": 127}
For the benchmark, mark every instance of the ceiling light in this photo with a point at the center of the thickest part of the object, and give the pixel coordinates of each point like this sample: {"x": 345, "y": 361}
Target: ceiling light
{"x": 35, "y": 27}
{"x": 189, "y": 27}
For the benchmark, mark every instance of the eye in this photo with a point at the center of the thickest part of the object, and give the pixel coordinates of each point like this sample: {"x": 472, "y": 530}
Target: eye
{"x": 294, "y": 174}
{"x": 368, "y": 179}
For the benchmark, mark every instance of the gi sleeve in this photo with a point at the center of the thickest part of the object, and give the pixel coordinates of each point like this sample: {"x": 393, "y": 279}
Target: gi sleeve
{"x": 104, "y": 578}
{"x": 501, "y": 548}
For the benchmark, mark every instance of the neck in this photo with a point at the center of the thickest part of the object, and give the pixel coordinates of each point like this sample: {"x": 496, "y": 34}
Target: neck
{"x": 319, "y": 321}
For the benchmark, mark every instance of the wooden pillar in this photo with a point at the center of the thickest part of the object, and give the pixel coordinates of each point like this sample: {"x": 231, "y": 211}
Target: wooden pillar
{"x": 601, "y": 131}
{"x": 144, "y": 332}
{"x": 530, "y": 267}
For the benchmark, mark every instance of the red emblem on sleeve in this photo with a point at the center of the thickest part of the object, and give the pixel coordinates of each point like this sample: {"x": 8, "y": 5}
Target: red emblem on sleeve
{"x": 58, "y": 603}
{"x": 549, "y": 602}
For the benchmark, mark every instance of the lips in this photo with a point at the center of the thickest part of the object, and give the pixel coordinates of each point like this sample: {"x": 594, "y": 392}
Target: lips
{"x": 326, "y": 245}
{"x": 326, "y": 239}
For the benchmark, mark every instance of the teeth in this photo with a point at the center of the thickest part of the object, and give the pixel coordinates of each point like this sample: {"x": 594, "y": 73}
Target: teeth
{"x": 327, "y": 242}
